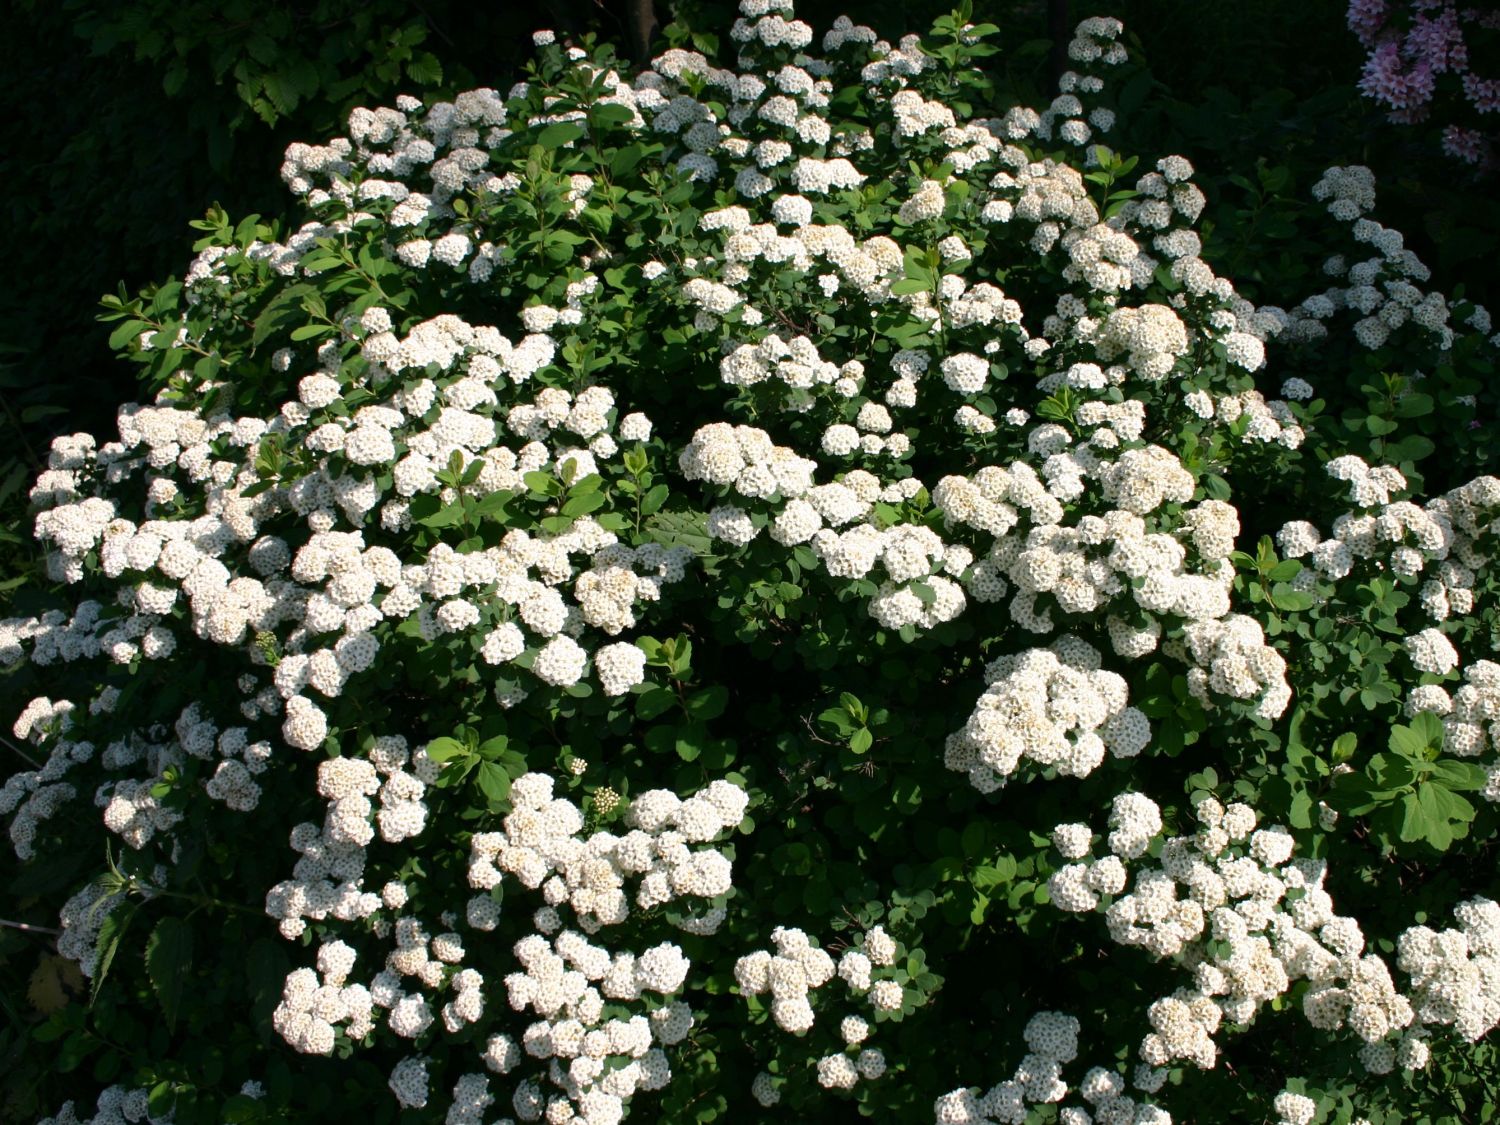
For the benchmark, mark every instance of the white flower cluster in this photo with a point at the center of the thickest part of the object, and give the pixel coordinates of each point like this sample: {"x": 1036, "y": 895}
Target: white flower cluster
{"x": 239, "y": 581}
{"x": 596, "y": 1063}
{"x": 312, "y": 1003}
{"x": 116, "y": 1106}
{"x": 1055, "y": 708}
{"x": 799, "y": 967}
{"x": 1265, "y": 422}
{"x": 1455, "y": 974}
{"x": 1380, "y": 293}
{"x": 564, "y": 979}
{"x": 1232, "y": 905}
{"x": 1052, "y": 1042}
{"x": 541, "y": 847}
{"x": 328, "y": 879}
{"x": 37, "y": 795}
{"x": 82, "y": 917}
{"x": 1446, "y": 541}
{"x": 1468, "y": 714}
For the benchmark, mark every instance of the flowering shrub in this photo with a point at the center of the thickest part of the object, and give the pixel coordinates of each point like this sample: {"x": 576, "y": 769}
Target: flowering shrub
{"x": 522, "y": 659}
{"x": 1414, "y": 48}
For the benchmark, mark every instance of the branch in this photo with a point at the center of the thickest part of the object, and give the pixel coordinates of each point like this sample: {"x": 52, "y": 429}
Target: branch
{"x": 30, "y": 929}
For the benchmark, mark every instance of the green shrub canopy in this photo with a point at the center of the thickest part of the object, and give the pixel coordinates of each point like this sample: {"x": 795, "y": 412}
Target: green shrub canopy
{"x": 711, "y": 572}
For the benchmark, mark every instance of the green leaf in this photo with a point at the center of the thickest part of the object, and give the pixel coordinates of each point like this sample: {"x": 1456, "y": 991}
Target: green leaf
{"x": 910, "y": 285}
{"x": 446, "y": 749}
{"x": 169, "y": 956}
{"x": 688, "y": 744}
{"x": 494, "y": 782}
{"x": 1414, "y": 825}
{"x": 493, "y": 505}
{"x": 1283, "y": 597}
{"x": 450, "y": 516}
{"x": 610, "y": 113}
{"x": 545, "y": 483}
{"x": 837, "y": 718}
{"x": 127, "y": 332}
{"x": 582, "y": 505}
{"x": 708, "y": 703}
{"x": 654, "y": 702}
{"x": 1415, "y": 447}
{"x": 1299, "y": 815}
{"x": 111, "y": 930}
{"x": 654, "y": 499}
{"x": 1460, "y": 776}
{"x": 625, "y": 159}
{"x": 1413, "y": 405}
{"x": 861, "y": 740}
{"x": 1002, "y": 870}
{"x": 311, "y": 331}
{"x": 559, "y": 133}
{"x": 1413, "y": 741}
{"x": 1441, "y": 803}
{"x": 1285, "y": 570}
{"x": 425, "y": 69}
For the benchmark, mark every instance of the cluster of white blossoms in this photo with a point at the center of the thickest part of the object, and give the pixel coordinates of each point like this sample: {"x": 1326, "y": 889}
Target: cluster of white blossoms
{"x": 36, "y": 795}
{"x": 1469, "y": 714}
{"x": 1052, "y": 1042}
{"x": 595, "y": 1064}
{"x": 121, "y": 1105}
{"x": 541, "y": 847}
{"x": 1265, "y": 421}
{"x": 1446, "y": 541}
{"x": 1380, "y": 293}
{"x": 327, "y": 600}
{"x": 328, "y": 878}
{"x": 799, "y": 967}
{"x": 1055, "y": 708}
{"x": 1233, "y": 907}
{"x": 793, "y": 974}
{"x": 1455, "y": 974}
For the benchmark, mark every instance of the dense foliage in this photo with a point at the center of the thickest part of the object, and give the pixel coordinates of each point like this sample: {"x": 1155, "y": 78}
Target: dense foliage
{"x": 684, "y": 594}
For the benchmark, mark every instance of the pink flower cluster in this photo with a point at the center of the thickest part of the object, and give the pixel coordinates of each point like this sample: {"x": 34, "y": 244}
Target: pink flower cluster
{"x": 1414, "y": 42}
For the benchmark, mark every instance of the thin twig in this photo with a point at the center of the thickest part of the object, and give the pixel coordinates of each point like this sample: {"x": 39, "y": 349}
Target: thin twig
{"x": 30, "y": 929}
{"x": 20, "y": 753}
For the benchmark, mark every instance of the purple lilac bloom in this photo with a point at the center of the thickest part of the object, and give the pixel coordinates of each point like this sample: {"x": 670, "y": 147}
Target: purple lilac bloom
{"x": 1385, "y": 79}
{"x": 1366, "y": 18}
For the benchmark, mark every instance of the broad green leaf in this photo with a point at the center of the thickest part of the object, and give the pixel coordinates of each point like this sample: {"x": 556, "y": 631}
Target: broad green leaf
{"x": 1283, "y": 597}
{"x": 1407, "y": 741}
{"x": 611, "y": 113}
{"x": 559, "y": 133}
{"x": 494, "y": 782}
{"x": 654, "y": 702}
{"x": 1460, "y": 776}
{"x": 169, "y": 957}
{"x": 837, "y": 718}
{"x": 446, "y": 749}
{"x": 576, "y": 506}
{"x": 709, "y": 703}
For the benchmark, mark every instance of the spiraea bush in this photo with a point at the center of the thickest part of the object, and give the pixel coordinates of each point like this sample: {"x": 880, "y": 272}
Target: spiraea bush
{"x": 680, "y": 596}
